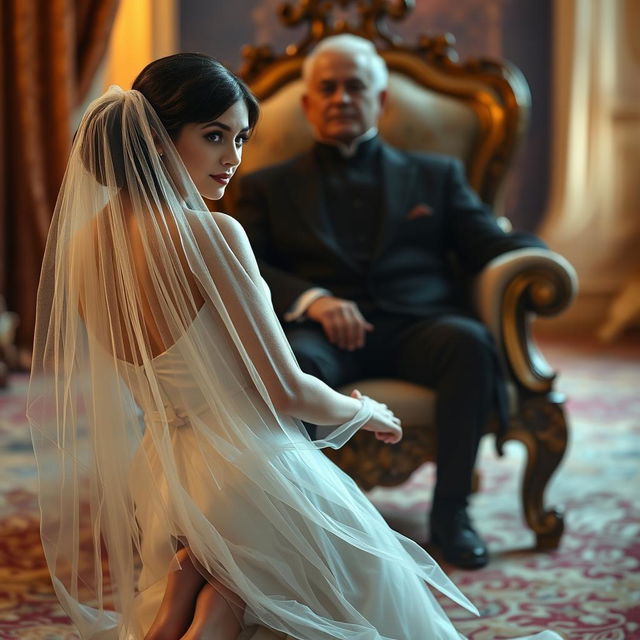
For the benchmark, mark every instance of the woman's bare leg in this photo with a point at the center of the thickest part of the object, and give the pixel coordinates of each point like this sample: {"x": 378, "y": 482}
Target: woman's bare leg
{"x": 217, "y": 615}
{"x": 179, "y": 601}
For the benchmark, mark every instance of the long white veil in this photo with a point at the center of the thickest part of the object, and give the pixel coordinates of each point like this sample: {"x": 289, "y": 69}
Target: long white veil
{"x": 137, "y": 269}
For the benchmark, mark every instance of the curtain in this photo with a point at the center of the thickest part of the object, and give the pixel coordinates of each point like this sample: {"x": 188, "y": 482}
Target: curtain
{"x": 144, "y": 30}
{"x": 49, "y": 52}
{"x": 594, "y": 215}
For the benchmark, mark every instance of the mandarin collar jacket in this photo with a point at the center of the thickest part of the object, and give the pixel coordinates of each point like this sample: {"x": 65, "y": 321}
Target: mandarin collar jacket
{"x": 429, "y": 214}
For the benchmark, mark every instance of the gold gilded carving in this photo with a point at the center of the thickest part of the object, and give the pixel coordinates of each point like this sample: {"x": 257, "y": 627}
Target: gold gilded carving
{"x": 322, "y": 21}
{"x": 536, "y": 292}
{"x": 329, "y": 17}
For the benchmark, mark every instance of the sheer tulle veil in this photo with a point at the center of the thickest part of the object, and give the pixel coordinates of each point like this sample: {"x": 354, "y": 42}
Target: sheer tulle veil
{"x": 133, "y": 256}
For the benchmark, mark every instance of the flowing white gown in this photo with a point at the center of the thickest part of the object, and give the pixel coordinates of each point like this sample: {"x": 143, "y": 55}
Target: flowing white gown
{"x": 277, "y": 540}
{"x": 132, "y": 253}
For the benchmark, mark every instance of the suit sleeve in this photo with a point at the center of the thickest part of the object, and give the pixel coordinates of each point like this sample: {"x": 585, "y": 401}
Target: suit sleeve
{"x": 252, "y": 210}
{"x": 475, "y": 234}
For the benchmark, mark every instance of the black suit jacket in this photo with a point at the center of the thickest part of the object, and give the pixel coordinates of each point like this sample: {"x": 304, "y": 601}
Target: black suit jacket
{"x": 429, "y": 214}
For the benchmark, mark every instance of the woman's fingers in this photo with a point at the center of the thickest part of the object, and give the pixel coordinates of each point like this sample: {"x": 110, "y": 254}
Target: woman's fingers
{"x": 386, "y": 426}
{"x": 388, "y": 438}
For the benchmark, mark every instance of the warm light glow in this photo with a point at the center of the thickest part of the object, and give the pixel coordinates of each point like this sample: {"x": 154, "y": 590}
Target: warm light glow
{"x": 143, "y": 31}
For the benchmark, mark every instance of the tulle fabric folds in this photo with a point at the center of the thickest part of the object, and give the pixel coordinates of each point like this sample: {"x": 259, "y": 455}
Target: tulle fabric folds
{"x": 158, "y": 365}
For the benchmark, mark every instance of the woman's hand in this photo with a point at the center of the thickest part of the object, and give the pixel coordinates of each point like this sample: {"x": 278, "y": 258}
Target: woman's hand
{"x": 383, "y": 423}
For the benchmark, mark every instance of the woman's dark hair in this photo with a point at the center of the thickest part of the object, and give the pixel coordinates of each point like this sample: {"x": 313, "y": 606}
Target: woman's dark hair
{"x": 192, "y": 87}
{"x": 182, "y": 88}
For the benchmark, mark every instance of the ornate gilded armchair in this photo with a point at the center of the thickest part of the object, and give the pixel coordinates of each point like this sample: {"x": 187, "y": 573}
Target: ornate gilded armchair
{"x": 476, "y": 111}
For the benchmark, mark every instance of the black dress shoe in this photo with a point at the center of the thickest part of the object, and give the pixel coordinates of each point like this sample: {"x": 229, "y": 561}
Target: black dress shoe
{"x": 452, "y": 531}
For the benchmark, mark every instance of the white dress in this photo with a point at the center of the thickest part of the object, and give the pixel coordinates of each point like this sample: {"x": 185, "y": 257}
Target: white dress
{"x": 275, "y": 539}
{"x": 215, "y": 466}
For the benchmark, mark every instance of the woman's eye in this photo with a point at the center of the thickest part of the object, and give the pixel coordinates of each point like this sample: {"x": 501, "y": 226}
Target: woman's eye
{"x": 213, "y": 136}
{"x": 241, "y": 141}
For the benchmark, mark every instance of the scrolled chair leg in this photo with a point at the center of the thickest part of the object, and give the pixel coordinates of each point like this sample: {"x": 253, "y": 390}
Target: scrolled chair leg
{"x": 550, "y": 528}
{"x": 542, "y": 428}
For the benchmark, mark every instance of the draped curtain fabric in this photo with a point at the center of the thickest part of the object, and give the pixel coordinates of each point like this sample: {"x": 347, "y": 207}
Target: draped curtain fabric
{"x": 593, "y": 217}
{"x": 49, "y": 52}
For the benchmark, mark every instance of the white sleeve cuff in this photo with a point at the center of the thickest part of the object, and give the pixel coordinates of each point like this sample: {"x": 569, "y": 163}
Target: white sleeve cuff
{"x": 302, "y": 303}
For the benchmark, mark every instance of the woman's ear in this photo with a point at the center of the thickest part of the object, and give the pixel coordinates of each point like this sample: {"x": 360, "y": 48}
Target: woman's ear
{"x": 156, "y": 140}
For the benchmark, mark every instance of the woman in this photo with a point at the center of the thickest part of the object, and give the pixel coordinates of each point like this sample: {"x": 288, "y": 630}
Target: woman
{"x": 166, "y": 406}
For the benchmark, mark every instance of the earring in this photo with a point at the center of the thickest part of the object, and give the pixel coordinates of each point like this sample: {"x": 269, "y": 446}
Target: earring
{"x": 161, "y": 153}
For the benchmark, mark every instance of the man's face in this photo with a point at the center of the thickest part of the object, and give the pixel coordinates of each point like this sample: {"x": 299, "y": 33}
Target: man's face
{"x": 340, "y": 101}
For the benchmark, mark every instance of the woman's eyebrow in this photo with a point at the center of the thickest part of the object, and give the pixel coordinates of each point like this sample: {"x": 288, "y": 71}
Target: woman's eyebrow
{"x": 226, "y": 127}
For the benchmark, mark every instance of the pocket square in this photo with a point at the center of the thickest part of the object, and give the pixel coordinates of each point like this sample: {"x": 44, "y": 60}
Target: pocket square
{"x": 419, "y": 211}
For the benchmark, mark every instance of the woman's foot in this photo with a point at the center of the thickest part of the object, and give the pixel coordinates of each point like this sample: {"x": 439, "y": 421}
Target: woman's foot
{"x": 217, "y": 614}
{"x": 178, "y": 605}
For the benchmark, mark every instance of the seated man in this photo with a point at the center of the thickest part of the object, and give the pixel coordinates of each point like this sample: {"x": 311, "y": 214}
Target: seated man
{"x": 355, "y": 240}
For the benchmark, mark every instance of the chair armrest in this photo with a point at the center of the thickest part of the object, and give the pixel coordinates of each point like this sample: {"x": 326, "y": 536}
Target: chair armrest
{"x": 509, "y": 292}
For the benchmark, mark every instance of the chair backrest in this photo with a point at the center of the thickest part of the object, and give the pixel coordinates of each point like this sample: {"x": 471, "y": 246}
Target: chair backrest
{"x": 476, "y": 111}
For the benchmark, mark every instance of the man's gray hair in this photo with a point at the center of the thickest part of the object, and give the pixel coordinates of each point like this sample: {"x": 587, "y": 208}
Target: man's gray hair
{"x": 353, "y": 46}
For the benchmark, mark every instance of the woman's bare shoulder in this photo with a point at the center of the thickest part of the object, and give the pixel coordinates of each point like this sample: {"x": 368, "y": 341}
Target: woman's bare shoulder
{"x": 217, "y": 219}
{"x": 227, "y": 224}
{"x": 230, "y": 228}
{"x": 207, "y": 225}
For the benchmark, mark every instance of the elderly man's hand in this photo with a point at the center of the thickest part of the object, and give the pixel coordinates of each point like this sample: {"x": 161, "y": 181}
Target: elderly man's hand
{"x": 341, "y": 320}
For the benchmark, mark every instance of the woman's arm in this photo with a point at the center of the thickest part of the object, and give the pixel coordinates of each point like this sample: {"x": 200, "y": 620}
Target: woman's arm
{"x": 290, "y": 389}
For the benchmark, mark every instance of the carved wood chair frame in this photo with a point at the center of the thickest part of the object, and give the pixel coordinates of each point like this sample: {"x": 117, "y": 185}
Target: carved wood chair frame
{"x": 499, "y": 95}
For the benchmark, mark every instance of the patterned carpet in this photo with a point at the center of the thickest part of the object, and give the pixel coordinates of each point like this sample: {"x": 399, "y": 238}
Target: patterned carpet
{"x": 589, "y": 589}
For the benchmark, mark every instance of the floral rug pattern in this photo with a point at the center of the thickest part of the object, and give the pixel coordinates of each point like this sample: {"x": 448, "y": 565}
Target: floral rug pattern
{"x": 588, "y": 589}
